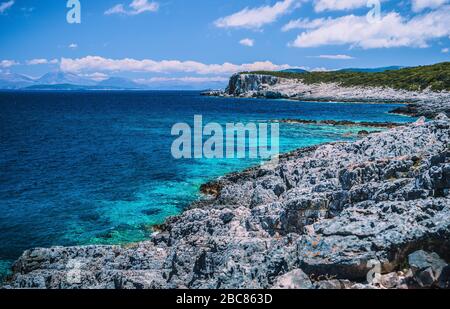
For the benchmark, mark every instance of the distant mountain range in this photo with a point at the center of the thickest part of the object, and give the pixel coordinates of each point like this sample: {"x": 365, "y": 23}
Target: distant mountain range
{"x": 14, "y": 81}
{"x": 63, "y": 81}
{"x": 70, "y": 81}
{"x": 294, "y": 71}
{"x": 59, "y": 78}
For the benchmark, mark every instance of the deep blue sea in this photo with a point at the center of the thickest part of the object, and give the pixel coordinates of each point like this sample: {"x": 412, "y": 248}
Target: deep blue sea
{"x": 96, "y": 167}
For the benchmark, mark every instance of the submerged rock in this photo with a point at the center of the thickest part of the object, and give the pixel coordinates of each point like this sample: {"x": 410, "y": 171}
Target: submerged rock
{"x": 340, "y": 213}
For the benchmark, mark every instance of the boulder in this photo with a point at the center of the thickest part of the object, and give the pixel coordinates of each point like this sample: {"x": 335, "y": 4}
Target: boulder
{"x": 427, "y": 268}
{"x": 295, "y": 279}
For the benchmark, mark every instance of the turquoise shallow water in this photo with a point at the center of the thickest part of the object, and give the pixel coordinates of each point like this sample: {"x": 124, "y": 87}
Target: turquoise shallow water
{"x": 95, "y": 167}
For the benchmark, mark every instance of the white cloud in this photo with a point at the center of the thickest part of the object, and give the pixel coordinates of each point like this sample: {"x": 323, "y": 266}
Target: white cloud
{"x": 117, "y": 9}
{"x": 100, "y": 64}
{"x": 445, "y": 50}
{"x": 141, "y": 6}
{"x": 73, "y": 46}
{"x": 42, "y": 61}
{"x": 335, "y": 57}
{"x": 8, "y": 63}
{"x": 337, "y": 5}
{"x": 257, "y": 17}
{"x": 321, "y": 69}
{"x": 37, "y": 61}
{"x": 136, "y": 7}
{"x": 420, "y": 5}
{"x": 392, "y": 30}
{"x": 188, "y": 79}
{"x": 305, "y": 23}
{"x": 247, "y": 42}
{"x": 6, "y": 5}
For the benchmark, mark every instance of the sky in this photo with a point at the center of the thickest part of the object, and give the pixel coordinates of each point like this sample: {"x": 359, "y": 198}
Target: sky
{"x": 208, "y": 40}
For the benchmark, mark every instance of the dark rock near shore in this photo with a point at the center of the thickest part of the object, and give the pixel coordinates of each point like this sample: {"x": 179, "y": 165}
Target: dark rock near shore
{"x": 363, "y": 133}
{"x": 427, "y": 268}
{"x": 429, "y": 109}
{"x": 332, "y": 213}
{"x": 151, "y": 212}
{"x": 344, "y": 123}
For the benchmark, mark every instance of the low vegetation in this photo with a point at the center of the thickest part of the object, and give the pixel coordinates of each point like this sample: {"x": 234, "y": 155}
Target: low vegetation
{"x": 436, "y": 77}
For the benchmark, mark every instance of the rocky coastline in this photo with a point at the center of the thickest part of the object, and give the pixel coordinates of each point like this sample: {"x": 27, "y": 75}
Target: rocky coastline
{"x": 374, "y": 213}
{"x": 419, "y": 103}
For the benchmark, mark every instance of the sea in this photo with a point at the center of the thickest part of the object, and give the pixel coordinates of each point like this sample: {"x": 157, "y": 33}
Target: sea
{"x": 80, "y": 168}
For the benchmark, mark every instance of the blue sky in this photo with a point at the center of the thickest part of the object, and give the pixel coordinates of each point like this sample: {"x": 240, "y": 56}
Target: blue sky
{"x": 166, "y": 40}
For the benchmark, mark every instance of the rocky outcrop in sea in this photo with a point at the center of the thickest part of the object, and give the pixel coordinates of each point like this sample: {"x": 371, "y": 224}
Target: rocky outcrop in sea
{"x": 424, "y": 103}
{"x": 374, "y": 213}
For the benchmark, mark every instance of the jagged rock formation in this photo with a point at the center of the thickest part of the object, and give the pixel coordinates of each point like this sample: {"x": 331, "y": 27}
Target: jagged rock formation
{"x": 425, "y": 103}
{"x": 427, "y": 108}
{"x": 245, "y": 83}
{"x": 323, "y": 217}
{"x": 429, "y": 270}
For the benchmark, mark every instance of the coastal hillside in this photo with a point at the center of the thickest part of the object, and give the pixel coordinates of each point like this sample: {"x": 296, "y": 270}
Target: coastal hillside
{"x": 435, "y": 77}
{"x": 424, "y": 89}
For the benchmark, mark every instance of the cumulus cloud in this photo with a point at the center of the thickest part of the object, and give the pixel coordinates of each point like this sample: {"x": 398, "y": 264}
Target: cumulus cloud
{"x": 445, "y": 50}
{"x": 304, "y": 23}
{"x": 8, "y": 63}
{"x": 336, "y": 5}
{"x": 42, "y": 61}
{"x": 187, "y": 79}
{"x": 100, "y": 64}
{"x": 321, "y": 69}
{"x": 117, "y": 9}
{"x": 136, "y": 7}
{"x": 247, "y": 42}
{"x": 73, "y": 46}
{"x": 420, "y": 5}
{"x": 392, "y": 30}
{"x": 335, "y": 57}
{"x": 5, "y": 5}
{"x": 255, "y": 18}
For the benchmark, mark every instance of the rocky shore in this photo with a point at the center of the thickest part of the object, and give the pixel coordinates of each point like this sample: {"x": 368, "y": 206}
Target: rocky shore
{"x": 427, "y": 108}
{"x": 370, "y": 214}
{"x": 424, "y": 103}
